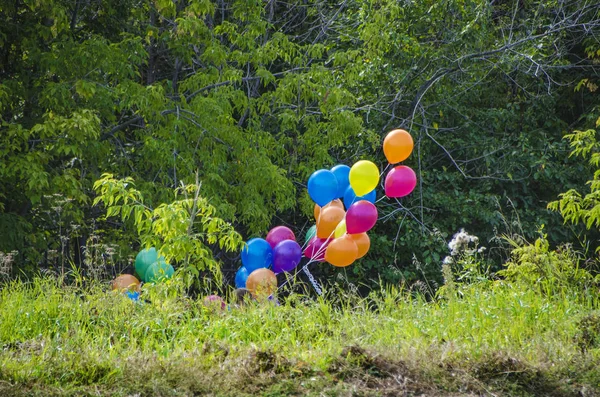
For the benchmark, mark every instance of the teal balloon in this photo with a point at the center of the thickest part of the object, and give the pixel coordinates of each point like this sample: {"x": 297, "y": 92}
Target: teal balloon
{"x": 312, "y": 232}
{"x": 144, "y": 259}
{"x": 158, "y": 271}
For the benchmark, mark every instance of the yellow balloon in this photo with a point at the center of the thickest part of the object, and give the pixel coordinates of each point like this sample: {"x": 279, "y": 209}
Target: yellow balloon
{"x": 364, "y": 177}
{"x": 340, "y": 229}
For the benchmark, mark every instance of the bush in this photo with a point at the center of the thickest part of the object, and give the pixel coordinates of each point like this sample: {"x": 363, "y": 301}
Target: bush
{"x": 552, "y": 271}
{"x": 184, "y": 231}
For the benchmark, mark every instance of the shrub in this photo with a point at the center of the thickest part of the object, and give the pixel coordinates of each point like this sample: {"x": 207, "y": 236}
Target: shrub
{"x": 182, "y": 230}
{"x": 537, "y": 266}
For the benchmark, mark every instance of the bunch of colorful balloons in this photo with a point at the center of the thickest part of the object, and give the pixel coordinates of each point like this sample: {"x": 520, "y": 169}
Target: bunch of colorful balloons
{"x": 344, "y": 212}
{"x": 279, "y": 250}
{"x": 340, "y": 236}
{"x": 149, "y": 267}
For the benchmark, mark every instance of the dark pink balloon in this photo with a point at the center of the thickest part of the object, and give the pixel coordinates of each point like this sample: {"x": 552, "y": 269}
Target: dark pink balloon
{"x": 215, "y": 301}
{"x": 315, "y": 249}
{"x": 279, "y": 234}
{"x": 361, "y": 217}
{"x": 400, "y": 181}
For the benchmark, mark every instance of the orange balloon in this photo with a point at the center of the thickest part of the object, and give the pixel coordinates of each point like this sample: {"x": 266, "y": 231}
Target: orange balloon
{"x": 342, "y": 251}
{"x": 334, "y": 203}
{"x": 328, "y": 220}
{"x": 126, "y": 282}
{"x": 261, "y": 282}
{"x": 397, "y": 146}
{"x": 363, "y": 242}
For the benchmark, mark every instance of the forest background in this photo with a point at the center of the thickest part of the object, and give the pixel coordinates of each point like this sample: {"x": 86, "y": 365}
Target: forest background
{"x": 248, "y": 98}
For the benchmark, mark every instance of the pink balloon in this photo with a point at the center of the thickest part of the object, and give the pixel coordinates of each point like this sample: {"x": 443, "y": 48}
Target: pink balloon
{"x": 279, "y": 234}
{"x": 315, "y": 249}
{"x": 400, "y": 181}
{"x": 361, "y": 217}
{"x": 215, "y": 301}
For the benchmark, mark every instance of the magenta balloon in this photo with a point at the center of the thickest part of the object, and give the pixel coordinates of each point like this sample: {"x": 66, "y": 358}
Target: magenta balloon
{"x": 315, "y": 249}
{"x": 214, "y": 301}
{"x": 361, "y": 217}
{"x": 400, "y": 181}
{"x": 278, "y": 234}
{"x": 286, "y": 256}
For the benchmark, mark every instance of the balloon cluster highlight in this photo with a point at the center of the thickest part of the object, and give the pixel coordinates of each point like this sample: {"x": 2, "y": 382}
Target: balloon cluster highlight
{"x": 345, "y": 207}
{"x": 344, "y": 212}
{"x": 149, "y": 267}
{"x": 342, "y": 218}
{"x": 279, "y": 251}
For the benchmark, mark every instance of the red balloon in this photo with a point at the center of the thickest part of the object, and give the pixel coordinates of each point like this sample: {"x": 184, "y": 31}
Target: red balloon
{"x": 279, "y": 234}
{"x": 315, "y": 249}
{"x": 400, "y": 181}
{"x": 361, "y": 217}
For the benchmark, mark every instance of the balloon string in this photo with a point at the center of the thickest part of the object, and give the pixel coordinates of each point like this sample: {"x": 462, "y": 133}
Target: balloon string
{"x": 312, "y": 280}
{"x": 321, "y": 249}
{"x": 384, "y": 170}
{"x": 295, "y": 275}
{"x": 307, "y": 242}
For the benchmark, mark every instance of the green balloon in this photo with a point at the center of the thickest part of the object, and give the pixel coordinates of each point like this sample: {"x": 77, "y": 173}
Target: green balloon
{"x": 312, "y": 232}
{"x": 159, "y": 270}
{"x": 144, "y": 259}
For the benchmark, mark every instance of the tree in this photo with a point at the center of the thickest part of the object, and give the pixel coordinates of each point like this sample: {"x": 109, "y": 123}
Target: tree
{"x": 255, "y": 96}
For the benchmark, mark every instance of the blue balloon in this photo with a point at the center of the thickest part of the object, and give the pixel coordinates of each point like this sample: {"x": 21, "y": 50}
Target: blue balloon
{"x": 240, "y": 277}
{"x": 322, "y": 187}
{"x": 341, "y": 173}
{"x": 350, "y": 197}
{"x": 258, "y": 253}
{"x": 133, "y": 295}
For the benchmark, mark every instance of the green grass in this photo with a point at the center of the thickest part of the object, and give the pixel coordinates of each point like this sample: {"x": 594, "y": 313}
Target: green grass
{"x": 495, "y": 339}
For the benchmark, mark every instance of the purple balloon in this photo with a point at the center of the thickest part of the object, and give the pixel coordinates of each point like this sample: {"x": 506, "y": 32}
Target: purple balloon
{"x": 361, "y": 217}
{"x": 400, "y": 181}
{"x": 279, "y": 234}
{"x": 286, "y": 256}
{"x": 315, "y": 249}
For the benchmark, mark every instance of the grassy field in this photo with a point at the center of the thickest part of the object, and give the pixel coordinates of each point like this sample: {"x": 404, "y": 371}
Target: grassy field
{"x": 491, "y": 339}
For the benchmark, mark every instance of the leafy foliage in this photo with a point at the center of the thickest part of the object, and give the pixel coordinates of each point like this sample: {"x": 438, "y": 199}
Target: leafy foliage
{"x": 572, "y": 205}
{"x": 182, "y": 230}
{"x": 255, "y": 96}
{"x": 550, "y": 271}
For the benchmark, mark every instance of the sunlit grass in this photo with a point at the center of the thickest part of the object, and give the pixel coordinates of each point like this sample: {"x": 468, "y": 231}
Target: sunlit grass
{"x": 72, "y": 338}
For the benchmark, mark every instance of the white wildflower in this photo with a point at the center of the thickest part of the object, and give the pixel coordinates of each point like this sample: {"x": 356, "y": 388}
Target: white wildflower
{"x": 460, "y": 243}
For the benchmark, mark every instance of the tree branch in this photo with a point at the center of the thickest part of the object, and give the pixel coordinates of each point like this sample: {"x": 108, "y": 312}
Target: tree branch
{"x": 244, "y": 79}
